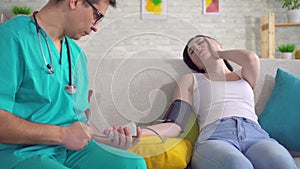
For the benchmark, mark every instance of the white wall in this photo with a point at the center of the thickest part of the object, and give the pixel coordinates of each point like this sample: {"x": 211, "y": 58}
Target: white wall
{"x": 124, "y": 34}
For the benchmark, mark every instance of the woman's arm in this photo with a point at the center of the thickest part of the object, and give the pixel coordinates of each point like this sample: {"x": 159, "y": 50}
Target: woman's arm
{"x": 248, "y": 60}
{"x": 183, "y": 91}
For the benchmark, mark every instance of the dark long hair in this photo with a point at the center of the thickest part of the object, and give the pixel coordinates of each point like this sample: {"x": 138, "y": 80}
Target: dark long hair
{"x": 188, "y": 61}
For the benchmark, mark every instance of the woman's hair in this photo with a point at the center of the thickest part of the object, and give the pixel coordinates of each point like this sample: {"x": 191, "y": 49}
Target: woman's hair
{"x": 188, "y": 61}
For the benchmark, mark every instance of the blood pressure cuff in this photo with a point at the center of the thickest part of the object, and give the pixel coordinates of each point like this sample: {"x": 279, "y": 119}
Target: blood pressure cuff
{"x": 179, "y": 113}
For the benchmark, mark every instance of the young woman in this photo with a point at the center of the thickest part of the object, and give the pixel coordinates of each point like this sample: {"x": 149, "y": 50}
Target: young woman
{"x": 42, "y": 120}
{"x": 230, "y": 136}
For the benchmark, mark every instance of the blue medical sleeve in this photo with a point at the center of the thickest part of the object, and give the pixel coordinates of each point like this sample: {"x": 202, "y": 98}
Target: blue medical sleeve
{"x": 11, "y": 69}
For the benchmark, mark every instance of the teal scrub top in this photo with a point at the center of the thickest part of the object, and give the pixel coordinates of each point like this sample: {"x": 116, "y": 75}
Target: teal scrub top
{"x": 30, "y": 92}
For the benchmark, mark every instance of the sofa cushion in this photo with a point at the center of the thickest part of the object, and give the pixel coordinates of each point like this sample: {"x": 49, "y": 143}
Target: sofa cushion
{"x": 281, "y": 115}
{"x": 173, "y": 154}
{"x": 191, "y": 130}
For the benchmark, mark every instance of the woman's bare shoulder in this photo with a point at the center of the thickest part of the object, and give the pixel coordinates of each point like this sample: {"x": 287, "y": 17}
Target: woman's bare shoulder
{"x": 188, "y": 77}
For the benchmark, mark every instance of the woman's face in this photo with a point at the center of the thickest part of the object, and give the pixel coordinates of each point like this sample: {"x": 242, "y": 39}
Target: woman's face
{"x": 201, "y": 49}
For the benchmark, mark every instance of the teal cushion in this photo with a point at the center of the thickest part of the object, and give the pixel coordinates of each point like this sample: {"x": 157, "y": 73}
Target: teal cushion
{"x": 281, "y": 116}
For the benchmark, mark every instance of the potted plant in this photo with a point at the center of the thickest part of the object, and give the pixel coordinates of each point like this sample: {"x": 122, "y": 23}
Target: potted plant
{"x": 18, "y": 10}
{"x": 286, "y": 50}
{"x": 293, "y": 12}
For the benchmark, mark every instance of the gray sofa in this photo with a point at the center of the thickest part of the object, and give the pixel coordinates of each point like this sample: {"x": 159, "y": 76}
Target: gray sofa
{"x": 140, "y": 90}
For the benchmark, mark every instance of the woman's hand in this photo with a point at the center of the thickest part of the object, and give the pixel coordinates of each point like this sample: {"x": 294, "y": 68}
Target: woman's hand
{"x": 122, "y": 137}
{"x": 212, "y": 47}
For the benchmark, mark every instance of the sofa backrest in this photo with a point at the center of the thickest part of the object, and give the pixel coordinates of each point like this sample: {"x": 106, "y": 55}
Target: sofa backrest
{"x": 141, "y": 90}
{"x": 266, "y": 80}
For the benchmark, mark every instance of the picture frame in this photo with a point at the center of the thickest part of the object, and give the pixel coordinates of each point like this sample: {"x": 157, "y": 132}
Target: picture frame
{"x": 154, "y": 9}
{"x": 211, "y": 7}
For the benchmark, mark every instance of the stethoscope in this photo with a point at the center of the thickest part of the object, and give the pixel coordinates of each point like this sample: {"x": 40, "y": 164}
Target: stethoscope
{"x": 70, "y": 88}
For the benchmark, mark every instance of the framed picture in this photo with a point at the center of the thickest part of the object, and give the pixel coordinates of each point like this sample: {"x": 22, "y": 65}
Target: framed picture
{"x": 211, "y": 7}
{"x": 154, "y": 9}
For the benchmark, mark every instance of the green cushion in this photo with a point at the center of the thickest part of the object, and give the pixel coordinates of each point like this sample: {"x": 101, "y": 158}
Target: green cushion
{"x": 281, "y": 116}
{"x": 191, "y": 131}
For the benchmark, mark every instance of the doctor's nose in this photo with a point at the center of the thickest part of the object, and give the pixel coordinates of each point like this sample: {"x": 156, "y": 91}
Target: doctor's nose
{"x": 95, "y": 27}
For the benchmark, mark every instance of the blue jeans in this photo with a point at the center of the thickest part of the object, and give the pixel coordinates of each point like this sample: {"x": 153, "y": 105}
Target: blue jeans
{"x": 239, "y": 143}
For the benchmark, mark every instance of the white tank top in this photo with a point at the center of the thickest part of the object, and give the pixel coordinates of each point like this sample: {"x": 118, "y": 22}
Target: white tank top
{"x": 214, "y": 100}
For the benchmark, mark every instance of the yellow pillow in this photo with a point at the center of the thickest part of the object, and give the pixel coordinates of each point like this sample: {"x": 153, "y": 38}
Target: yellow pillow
{"x": 175, "y": 153}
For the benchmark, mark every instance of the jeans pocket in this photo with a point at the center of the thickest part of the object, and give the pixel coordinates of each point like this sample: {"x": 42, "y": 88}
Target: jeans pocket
{"x": 258, "y": 128}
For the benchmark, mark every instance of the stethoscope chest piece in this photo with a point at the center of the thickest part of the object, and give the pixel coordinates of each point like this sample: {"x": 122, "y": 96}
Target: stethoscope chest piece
{"x": 71, "y": 89}
{"x": 50, "y": 69}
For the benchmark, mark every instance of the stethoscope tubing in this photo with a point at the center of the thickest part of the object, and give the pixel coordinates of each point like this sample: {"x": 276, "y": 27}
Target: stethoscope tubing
{"x": 70, "y": 88}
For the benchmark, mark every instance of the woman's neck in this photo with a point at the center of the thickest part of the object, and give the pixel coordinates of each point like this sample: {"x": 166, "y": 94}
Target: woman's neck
{"x": 217, "y": 72}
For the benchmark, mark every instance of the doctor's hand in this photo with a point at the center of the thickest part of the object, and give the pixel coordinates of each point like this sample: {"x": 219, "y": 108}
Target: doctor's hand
{"x": 122, "y": 137}
{"x": 76, "y": 136}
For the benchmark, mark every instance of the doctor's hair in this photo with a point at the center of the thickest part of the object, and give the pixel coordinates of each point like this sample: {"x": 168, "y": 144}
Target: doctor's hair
{"x": 111, "y": 2}
{"x": 188, "y": 61}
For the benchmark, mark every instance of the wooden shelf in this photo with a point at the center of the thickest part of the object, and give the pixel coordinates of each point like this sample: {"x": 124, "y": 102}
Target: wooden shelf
{"x": 287, "y": 24}
{"x": 268, "y": 34}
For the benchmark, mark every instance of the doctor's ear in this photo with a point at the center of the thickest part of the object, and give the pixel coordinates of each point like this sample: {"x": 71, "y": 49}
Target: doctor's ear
{"x": 74, "y": 3}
